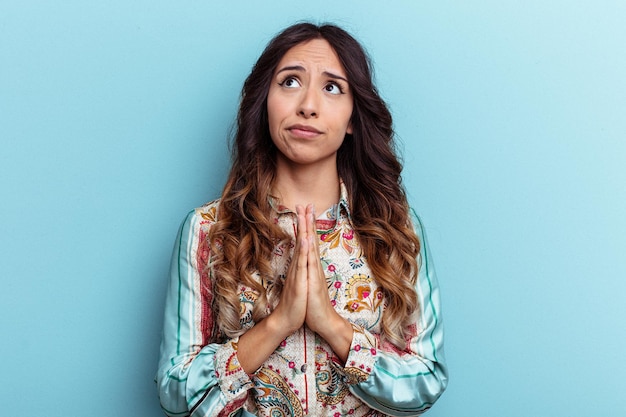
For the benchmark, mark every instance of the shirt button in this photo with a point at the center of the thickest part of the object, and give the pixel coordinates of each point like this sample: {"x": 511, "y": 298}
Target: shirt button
{"x": 303, "y": 368}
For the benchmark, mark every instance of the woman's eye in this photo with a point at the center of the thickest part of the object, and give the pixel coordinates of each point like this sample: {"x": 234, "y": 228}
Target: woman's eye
{"x": 333, "y": 88}
{"x": 290, "y": 83}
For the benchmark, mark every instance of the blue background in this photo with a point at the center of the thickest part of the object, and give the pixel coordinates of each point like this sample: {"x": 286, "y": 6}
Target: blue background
{"x": 512, "y": 121}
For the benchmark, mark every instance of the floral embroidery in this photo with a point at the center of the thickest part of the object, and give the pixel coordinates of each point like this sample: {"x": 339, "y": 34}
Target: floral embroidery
{"x": 360, "y": 294}
{"x": 330, "y": 388}
{"x": 280, "y": 385}
{"x": 210, "y": 212}
{"x": 232, "y": 378}
{"x": 342, "y": 236}
{"x": 232, "y": 364}
{"x": 282, "y": 353}
{"x": 356, "y": 263}
{"x": 247, "y": 297}
{"x": 274, "y": 395}
{"x": 361, "y": 357}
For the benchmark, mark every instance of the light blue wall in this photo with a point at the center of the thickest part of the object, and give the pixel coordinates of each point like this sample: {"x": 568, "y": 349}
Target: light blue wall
{"x": 512, "y": 115}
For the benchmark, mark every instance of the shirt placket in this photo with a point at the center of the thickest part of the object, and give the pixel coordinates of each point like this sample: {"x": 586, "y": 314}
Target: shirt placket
{"x": 311, "y": 407}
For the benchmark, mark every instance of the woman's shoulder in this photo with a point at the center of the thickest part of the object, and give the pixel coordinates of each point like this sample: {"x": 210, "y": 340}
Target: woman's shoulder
{"x": 201, "y": 217}
{"x": 208, "y": 211}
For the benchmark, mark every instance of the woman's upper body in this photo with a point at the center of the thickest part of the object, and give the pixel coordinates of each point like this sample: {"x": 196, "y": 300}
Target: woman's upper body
{"x": 274, "y": 310}
{"x": 199, "y": 373}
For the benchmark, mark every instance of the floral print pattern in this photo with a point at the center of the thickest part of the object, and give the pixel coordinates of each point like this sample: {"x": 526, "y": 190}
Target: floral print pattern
{"x": 302, "y": 376}
{"x": 274, "y": 395}
{"x": 284, "y": 385}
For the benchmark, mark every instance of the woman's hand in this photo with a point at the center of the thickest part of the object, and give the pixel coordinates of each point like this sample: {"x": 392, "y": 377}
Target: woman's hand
{"x": 292, "y": 308}
{"x": 258, "y": 343}
{"x": 319, "y": 311}
{"x": 304, "y": 299}
{"x": 321, "y": 316}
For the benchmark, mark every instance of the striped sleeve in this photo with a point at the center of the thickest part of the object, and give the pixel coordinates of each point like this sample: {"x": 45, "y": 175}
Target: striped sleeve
{"x": 190, "y": 364}
{"x": 408, "y": 383}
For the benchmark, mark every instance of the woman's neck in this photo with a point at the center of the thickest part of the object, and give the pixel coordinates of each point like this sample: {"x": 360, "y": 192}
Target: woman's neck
{"x": 307, "y": 184}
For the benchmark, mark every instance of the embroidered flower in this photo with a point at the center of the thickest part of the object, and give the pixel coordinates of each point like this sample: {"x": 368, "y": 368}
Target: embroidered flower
{"x": 356, "y": 263}
{"x": 361, "y": 294}
{"x": 364, "y": 292}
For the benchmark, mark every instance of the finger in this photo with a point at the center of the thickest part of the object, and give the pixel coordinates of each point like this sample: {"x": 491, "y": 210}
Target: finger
{"x": 310, "y": 217}
{"x": 298, "y": 267}
{"x": 312, "y": 230}
{"x": 301, "y": 225}
{"x": 311, "y": 257}
{"x": 301, "y": 260}
{"x": 301, "y": 251}
{"x": 298, "y": 237}
{"x": 295, "y": 289}
{"x": 314, "y": 264}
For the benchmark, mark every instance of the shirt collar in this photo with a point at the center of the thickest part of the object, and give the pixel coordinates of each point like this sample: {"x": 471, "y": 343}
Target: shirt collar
{"x": 343, "y": 200}
{"x": 335, "y": 209}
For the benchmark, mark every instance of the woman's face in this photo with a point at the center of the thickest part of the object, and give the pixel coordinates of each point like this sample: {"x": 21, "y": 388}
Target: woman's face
{"x": 309, "y": 104}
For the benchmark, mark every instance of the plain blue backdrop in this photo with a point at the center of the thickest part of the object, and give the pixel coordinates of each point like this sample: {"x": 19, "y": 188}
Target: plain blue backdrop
{"x": 512, "y": 122}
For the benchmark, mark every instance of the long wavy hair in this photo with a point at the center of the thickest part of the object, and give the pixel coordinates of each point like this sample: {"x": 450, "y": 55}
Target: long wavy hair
{"x": 244, "y": 236}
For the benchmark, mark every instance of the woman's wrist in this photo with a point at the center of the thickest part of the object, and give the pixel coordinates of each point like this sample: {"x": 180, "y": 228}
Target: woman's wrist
{"x": 338, "y": 332}
{"x": 258, "y": 343}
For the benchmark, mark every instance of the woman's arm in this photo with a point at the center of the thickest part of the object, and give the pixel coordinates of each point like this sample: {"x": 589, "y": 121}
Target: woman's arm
{"x": 197, "y": 375}
{"x": 403, "y": 383}
{"x": 192, "y": 377}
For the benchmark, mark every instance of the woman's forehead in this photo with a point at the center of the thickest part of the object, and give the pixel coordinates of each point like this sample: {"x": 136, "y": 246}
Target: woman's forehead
{"x": 315, "y": 54}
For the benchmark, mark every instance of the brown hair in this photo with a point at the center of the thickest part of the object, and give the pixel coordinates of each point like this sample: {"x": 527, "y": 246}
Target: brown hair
{"x": 243, "y": 238}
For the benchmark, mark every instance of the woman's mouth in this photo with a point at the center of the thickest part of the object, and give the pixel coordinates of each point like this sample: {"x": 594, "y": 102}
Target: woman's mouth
{"x": 303, "y": 131}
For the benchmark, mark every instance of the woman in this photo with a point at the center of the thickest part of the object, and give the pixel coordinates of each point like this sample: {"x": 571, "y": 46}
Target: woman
{"x": 306, "y": 289}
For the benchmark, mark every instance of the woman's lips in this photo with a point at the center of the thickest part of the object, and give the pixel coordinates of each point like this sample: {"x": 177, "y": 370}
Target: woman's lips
{"x": 303, "y": 131}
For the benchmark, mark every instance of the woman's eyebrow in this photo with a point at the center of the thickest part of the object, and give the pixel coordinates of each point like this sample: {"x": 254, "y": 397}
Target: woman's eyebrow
{"x": 291, "y": 68}
{"x": 335, "y": 76}
{"x": 302, "y": 69}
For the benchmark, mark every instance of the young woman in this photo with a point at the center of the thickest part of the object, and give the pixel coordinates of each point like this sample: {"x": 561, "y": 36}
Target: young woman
{"x": 307, "y": 288}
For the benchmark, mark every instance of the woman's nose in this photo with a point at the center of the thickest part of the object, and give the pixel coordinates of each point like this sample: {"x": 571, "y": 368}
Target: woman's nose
{"x": 309, "y": 104}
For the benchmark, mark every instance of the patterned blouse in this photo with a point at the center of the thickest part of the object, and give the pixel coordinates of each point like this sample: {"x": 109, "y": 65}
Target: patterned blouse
{"x": 199, "y": 376}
